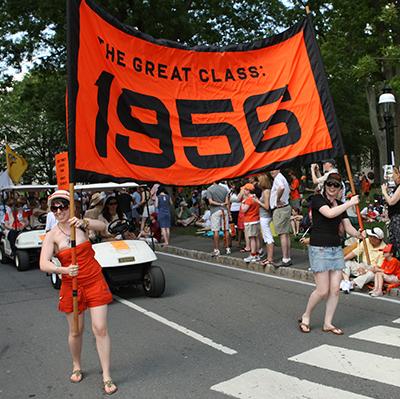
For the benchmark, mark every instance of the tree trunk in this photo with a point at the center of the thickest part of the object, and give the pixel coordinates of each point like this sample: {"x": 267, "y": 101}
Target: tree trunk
{"x": 378, "y": 133}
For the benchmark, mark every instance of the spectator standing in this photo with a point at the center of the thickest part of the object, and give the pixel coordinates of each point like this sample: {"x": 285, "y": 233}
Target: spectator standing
{"x": 234, "y": 204}
{"x": 218, "y": 199}
{"x": 325, "y": 252}
{"x": 365, "y": 185}
{"x": 393, "y": 202}
{"x": 136, "y": 200}
{"x": 251, "y": 209}
{"x": 265, "y": 184}
{"x": 281, "y": 212}
{"x": 295, "y": 196}
{"x": 163, "y": 203}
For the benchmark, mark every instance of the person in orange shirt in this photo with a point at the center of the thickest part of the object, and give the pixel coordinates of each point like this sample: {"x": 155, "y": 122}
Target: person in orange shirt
{"x": 251, "y": 209}
{"x": 390, "y": 271}
{"x": 295, "y": 197}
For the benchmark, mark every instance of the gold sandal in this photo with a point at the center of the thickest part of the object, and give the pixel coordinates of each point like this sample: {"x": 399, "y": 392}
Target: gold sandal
{"x": 109, "y": 384}
{"x": 78, "y": 374}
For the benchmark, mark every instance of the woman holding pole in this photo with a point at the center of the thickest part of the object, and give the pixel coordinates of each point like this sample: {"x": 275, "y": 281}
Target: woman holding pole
{"x": 329, "y": 219}
{"x": 93, "y": 291}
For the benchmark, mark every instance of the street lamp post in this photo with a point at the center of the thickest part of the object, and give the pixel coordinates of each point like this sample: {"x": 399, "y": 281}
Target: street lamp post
{"x": 387, "y": 102}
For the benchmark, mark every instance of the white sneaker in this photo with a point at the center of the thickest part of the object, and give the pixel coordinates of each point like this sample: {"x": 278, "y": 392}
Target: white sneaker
{"x": 249, "y": 259}
{"x": 228, "y": 251}
{"x": 345, "y": 286}
{"x": 216, "y": 253}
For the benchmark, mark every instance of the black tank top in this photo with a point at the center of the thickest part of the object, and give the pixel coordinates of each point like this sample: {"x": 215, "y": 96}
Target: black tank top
{"x": 394, "y": 209}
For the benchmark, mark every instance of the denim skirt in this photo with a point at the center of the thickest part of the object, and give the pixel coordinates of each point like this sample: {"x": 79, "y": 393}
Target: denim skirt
{"x": 323, "y": 259}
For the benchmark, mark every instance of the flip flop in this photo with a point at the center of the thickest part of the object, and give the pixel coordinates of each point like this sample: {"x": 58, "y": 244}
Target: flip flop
{"x": 333, "y": 330}
{"x": 266, "y": 262}
{"x": 78, "y": 374}
{"x": 109, "y": 384}
{"x": 243, "y": 250}
{"x": 303, "y": 327}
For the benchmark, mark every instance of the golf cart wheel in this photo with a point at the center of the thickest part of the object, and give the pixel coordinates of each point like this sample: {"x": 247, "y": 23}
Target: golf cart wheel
{"x": 22, "y": 260}
{"x": 55, "y": 281}
{"x": 154, "y": 282}
{"x": 3, "y": 256}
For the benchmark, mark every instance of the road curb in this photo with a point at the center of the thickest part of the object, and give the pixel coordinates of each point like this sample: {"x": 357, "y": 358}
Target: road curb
{"x": 288, "y": 272}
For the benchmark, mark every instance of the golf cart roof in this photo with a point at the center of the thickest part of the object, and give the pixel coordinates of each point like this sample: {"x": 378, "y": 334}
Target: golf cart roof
{"x": 30, "y": 187}
{"x": 104, "y": 186}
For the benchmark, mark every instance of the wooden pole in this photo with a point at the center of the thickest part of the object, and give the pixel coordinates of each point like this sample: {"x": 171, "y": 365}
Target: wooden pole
{"x": 360, "y": 221}
{"x": 75, "y": 326}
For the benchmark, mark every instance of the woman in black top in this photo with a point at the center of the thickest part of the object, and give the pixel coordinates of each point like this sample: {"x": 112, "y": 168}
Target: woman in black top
{"x": 394, "y": 211}
{"x": 329, "y": 220}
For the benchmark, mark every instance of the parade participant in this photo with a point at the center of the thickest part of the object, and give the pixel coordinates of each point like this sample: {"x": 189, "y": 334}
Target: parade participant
{"x": 389, "y": 272}
{"x": 93, "y": 291}
{"x": 15, "y": 221}
{"x": 393, "y": 202}
{"x": 325, "y": 252}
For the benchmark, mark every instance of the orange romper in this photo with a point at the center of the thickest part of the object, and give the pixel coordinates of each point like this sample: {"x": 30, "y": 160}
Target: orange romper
{"x": 92, "y": 287}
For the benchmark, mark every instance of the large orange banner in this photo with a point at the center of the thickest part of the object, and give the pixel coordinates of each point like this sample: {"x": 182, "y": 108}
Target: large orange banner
{"x": 152, "y": 110}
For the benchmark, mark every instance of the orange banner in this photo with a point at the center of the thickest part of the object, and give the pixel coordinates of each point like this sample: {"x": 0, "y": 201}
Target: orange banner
{"x": 152, "y": 110}
{"x": 62, "y": 171}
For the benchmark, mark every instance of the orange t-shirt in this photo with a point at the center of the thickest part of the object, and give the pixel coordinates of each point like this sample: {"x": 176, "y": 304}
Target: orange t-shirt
{"x": 294, "y": 189}
{"x": 391, "y": 267}
{"x": 252, "y": 214}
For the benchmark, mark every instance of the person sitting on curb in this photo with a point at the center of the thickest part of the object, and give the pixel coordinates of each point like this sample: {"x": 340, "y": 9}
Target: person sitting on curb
{"x": 363, "y": 272}
{"x": 389, "y": 272}
{"x": 184, "y": 215}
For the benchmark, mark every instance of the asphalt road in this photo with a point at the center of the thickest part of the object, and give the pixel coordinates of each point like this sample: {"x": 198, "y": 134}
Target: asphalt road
{"x": 216, "y": 331}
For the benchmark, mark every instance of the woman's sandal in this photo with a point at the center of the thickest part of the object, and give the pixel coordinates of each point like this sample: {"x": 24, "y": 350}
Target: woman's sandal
{"x": 303, "y": 327}
{"x": 109, "y": 387}
{"x": 243, "y": 250}
{"x": 78, "y": 376}
{"x": 333, "y": 330}
{"x": 266, "y": 262}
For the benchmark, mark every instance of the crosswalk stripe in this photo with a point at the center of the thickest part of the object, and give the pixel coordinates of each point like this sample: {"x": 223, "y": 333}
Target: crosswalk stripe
{"x": 268, "y": 384}
{"x": 380, "y": 334}
{"x": 359, "y": 364}
{"x": 396, "y": 321}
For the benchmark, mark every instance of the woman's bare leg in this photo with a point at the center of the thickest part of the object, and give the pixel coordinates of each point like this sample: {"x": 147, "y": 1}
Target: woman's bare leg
{"x": 335, "y": 276}
{"x": 75, "y": 343}
{"x": 320, "y": 292}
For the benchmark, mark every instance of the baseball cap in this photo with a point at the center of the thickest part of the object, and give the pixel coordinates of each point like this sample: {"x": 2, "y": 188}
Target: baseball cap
{"x": 388, "y": 249}
{"x": 330, "y": 160}
{"x": 376, "y": 232}
{"x": 58, "y": 194}
{"x": 248, "y": 186}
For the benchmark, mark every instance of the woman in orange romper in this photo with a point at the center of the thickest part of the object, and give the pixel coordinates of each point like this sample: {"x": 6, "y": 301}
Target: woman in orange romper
{"x": 93, "y": 291}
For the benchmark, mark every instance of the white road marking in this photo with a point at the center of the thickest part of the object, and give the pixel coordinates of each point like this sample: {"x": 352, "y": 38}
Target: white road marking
{"x": 396, "y": 321}
{"x": 358, "y": 364}
{"x": 396, "y": 301}
{"x": 380, "y": 334}
{"x": 268, "y": 384}
{"x": 175, "y": 326}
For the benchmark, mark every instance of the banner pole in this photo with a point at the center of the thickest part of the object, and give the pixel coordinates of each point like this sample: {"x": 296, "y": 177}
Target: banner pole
{"x": 360, "y": 221}
{"x": 75, "y": 327}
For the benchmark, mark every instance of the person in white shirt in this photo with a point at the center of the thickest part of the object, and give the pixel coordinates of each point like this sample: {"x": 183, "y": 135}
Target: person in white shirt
{"x": 281, "y": 212}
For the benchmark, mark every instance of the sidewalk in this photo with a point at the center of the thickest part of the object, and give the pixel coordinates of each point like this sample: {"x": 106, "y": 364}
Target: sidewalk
{"x": 199, "y": 247}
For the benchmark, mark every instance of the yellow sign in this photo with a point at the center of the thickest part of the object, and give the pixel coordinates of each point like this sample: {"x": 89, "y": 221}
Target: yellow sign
{"x": 16, "y": 165}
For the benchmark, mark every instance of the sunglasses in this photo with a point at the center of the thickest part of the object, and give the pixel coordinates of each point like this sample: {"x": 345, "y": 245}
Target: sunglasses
{"x": 332, "y": 184}
{"x": 55, "y": 208}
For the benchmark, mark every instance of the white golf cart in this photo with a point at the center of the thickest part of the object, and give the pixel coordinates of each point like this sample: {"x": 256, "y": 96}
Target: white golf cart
{"x": 29, "y": 241}
{"x": 124, "y": 262}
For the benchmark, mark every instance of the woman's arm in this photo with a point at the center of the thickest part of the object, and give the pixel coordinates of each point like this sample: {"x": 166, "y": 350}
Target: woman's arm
{"x": 87, "y": 224}
{"x": 391, "y": 200}
{"x": 351, "y": 230}
{"x": 47, "y": 252}
{"x": 331, "y": 213}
